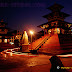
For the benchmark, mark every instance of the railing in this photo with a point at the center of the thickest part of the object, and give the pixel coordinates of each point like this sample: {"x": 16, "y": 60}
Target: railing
{"x": 42, "y": 42}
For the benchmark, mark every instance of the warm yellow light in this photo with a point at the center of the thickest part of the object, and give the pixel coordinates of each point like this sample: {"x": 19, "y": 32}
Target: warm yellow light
{"x": 31, "y": 32}
{"x": 50, "y": 30}
{"x": 5, "y": 40}
{"x": 5, "y": 55}
{"x": 16, "y": 36}
{"x": 11, "y": 54}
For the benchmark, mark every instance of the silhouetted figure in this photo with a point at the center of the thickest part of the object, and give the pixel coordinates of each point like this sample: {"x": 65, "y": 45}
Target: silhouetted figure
{"x": 16, "y": 43}
{"x": 56, "y": 65}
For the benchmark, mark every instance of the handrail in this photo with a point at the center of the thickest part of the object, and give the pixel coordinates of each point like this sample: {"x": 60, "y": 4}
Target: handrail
{"x": 44, "y": 40}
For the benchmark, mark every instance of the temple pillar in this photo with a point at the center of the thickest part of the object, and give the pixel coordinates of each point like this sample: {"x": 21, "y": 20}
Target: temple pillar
{"x": 44, "y": 31}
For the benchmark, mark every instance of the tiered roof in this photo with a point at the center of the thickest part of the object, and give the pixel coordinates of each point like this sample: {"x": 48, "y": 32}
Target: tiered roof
{"x": 55, "y": 6}
{"x": 3, "y": 26}
{"x": 55, "y": 16}
{"x": 48, "y": 23}
{"x": 64, "y": 15}
{"x": 2, "y": 22}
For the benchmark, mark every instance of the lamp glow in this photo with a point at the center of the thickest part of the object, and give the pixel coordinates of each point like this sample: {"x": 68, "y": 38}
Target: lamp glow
{"x": 31, "y": 32}
{"x": 16, "y": 36}
{"x": 5, "y": 40}
{"x": 31, "y": 38}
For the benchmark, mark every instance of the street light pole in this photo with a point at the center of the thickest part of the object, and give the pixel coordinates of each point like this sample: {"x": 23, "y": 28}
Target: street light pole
{"x": 31, "y": 39}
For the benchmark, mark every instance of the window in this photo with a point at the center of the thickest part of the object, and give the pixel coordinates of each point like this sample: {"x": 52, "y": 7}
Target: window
{"x": 5, "y": 40}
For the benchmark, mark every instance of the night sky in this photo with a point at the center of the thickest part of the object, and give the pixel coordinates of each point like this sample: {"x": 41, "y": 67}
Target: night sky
{"x": 27, "y": 14}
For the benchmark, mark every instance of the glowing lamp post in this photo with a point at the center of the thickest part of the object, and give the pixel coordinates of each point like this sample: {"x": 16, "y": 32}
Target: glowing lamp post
{"x": 31, "y": 35}
{"x": 31, "y": 38}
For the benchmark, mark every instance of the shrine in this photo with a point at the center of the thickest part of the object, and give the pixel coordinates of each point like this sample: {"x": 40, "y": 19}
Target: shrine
{"x": 56, "y": 23}
{"x": 57, "y": 37}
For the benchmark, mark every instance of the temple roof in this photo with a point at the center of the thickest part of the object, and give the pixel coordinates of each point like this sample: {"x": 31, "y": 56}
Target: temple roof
{"x": 55, "y": 6}
{"x": 66, "y": 28}
{"x": 59, "y": 21}
{"x": 43, "y": 24}
{"x": 2, "y": 22}
{"x": 56, "y": 19}
{"x": 60, "y": 14}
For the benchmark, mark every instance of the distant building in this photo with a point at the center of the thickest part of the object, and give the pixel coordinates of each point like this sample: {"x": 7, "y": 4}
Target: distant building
{"x": 16, "y": 35}
{"x": 4, "y": 35}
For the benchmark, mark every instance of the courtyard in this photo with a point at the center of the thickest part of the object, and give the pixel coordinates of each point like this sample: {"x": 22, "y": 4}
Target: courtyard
{"x": 29, "y": 63}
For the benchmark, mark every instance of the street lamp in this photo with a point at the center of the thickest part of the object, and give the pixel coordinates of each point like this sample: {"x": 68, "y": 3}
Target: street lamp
{"x": 31, "y": 35}
{"x": 31, "y": 38}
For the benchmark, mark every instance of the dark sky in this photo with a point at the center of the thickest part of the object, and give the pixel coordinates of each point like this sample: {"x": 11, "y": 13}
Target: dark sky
{"x": 27, "y": 14}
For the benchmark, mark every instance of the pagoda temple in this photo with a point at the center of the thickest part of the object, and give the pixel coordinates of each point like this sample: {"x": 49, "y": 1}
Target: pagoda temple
{"x": 4, "y": 36}
{"x": 57, "y": 37}
{"x": 56, "y": 23}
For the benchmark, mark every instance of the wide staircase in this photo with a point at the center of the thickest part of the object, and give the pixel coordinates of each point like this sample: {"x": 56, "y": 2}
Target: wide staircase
{"x": 57, "y": 44}
{"x": 52, "y": 45}
{"x": 35, "y": 45}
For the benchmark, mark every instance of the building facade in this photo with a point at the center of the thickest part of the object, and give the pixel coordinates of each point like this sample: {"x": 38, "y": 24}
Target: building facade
{"x": 16, "y": 35}
{"x": 6, "y": 35}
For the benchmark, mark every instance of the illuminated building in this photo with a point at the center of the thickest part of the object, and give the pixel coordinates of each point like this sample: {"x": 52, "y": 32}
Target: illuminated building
{"x": 56, "y": 23}
{"x": 16, "y": 35}
{"x": 57, "y": 33}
